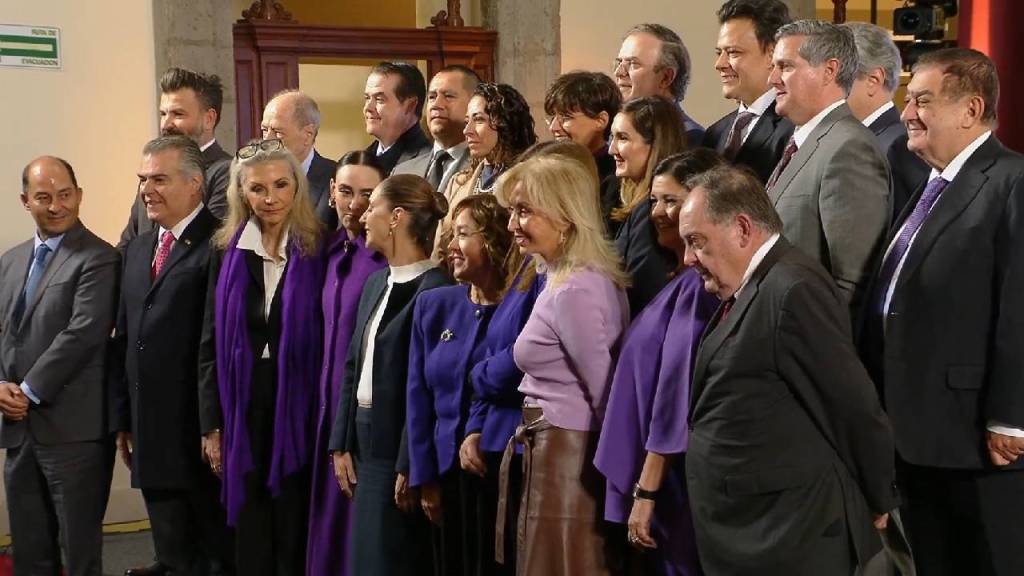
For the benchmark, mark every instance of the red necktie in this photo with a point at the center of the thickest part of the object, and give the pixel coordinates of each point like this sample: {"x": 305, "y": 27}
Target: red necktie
{"x": 726, "y": 306}
{"x": 166, "y": 241}
{"x": 787, "y": 155}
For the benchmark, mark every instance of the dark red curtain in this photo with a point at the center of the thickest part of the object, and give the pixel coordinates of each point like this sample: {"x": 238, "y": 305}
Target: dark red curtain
{"x": 994, "y": 27}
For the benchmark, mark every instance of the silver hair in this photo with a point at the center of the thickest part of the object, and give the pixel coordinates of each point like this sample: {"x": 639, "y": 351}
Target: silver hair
{"x": 673, "y": 54}
{"x": 825, "y": 41}
{"x": 190, "y": 158}
{"x": 306, "y": 111}
{"x": 876, "y": 49}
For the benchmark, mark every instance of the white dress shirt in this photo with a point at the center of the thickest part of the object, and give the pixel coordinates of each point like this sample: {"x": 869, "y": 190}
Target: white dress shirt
{"x": 398, "y": 275}
{"x": 175, "y": 231}
{"x": 252, "y": 239}
{"x": 877, "y": 113}
{"x": 802, "y": 132}
{"x": 206, "y": 146}
{"x": 755, "y": 261}
{"x": 757, "y": 108}
{"x": 308, "y": 161}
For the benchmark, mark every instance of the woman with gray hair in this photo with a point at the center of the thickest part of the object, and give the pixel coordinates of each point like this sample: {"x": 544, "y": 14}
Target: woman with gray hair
{"x": 259, "y": 359}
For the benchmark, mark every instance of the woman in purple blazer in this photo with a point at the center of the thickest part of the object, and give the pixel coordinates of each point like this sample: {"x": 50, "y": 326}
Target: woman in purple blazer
{"x": 349, "y": 264}
{"x": 644, "y": 434}
{"x": 447, "y": 340}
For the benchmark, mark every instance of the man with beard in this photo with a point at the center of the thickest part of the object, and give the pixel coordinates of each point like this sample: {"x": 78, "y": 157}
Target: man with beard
{"x": 190, "y": 105}
{"x": 447, "y": 100}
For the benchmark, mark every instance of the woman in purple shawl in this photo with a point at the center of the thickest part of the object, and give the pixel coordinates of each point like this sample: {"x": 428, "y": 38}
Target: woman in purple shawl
{"x": 643, "y": 440}
{"x": 260, "y": 358}
{"x": 349, "y": 264}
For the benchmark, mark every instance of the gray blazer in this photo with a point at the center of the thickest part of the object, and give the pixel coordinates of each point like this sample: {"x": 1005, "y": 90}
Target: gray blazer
{"x": 833, "y": 198}
{"x": 420, "y": 165}
{"x": 60, "y": 346}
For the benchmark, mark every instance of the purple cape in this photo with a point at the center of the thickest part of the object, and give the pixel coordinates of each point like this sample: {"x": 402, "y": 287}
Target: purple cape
{"x": 298, "y": 364}
{"x": 647, "y": 411}
{"x": 349, "y": 264}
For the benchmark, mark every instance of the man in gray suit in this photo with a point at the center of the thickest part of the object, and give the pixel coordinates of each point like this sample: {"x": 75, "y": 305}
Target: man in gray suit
{"x": 57, "y": 299}
{"x": 831, "y": 187}
{"x": 447, "y": 99}
{"x": 790, "y": 465}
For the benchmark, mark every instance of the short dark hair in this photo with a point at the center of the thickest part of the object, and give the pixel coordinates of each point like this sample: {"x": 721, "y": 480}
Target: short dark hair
{"x": 767, "y": 15}
{"x": 965, "y": 72}
{"x": 673, "y": 55}
{"x": 733, "y": 190}
{"x": 59, "y": 160}
{"x": 587, "y": 92}
{"x": 685, "y": 165}
{"x": 410, "y": 81}
{"x": 510, "y": 117}
{"x": 361, "y": 158}
{"x": 207, "y": 87}
{"x": 470, "y": 78}
{"x": 190, "y": 158}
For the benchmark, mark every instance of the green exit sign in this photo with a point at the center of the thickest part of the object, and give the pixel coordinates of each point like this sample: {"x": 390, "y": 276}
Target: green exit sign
{"x": 29, "y": 46}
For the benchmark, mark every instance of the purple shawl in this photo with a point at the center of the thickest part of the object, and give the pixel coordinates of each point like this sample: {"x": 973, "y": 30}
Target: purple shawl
{"x": 650, "y": 394}
{"x": 298, "y": 365}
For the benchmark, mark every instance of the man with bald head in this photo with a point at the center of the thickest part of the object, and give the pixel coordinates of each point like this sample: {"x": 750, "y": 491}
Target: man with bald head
{"x": 294, "y": 117}
{"x": 57, "y": 297}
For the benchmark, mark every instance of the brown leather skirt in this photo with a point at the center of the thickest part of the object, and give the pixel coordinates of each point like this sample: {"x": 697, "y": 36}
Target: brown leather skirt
{"x": 560, "y": 527}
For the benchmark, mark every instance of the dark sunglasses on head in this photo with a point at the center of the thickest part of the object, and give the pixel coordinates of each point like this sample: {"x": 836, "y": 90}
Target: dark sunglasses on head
{"x": 250, "y": 150}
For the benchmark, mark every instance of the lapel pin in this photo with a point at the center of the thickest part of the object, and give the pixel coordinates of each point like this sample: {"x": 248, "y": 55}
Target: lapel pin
{"x": 447, "y": 335}
{"x": 188, "y": 242}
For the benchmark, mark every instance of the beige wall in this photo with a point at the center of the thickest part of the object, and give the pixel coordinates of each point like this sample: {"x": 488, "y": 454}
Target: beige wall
{"x": 96, "y": 112}
{"x": 592, "y": 32}
{"x": 338, "y": 90}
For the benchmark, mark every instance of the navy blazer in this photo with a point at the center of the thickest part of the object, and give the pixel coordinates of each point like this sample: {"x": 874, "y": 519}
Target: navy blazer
{"x": 447, "y": 333}
{"x": 764, "y": 146}
{"x": 497, "y": 405}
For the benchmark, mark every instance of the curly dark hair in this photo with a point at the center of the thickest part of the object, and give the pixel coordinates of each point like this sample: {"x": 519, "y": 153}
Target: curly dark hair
{"x": 510, "y": 117}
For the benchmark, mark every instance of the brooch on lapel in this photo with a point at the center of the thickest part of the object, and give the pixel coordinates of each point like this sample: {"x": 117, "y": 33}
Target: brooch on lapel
{"x": 188, "y": 242}
{"x": 447, "y": 335}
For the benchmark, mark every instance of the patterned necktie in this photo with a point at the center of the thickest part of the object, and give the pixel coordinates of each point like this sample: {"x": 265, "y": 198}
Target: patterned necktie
{"x": 732, "y": 145}
{"x": 166, "y": 241}
{"x": 35, "y": 274}
{"x": 902, "y": 243}
{"x": 787, "y": 155}
{"x": 436, "y": 173}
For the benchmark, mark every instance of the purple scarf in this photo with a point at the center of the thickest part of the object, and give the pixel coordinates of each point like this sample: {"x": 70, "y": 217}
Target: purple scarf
{"x": 298, "y": 365}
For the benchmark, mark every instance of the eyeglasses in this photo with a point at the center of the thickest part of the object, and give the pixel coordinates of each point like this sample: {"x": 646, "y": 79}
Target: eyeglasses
{"x": 631, "y": 64}
{"x": 250, "y": 150}
{"x": 462, "y": 235}
{"x": 560, "y": 118}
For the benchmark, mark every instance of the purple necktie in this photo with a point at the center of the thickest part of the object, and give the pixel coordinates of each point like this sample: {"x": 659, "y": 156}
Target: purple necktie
{"x": 787, "y": 155}
{"x": 735, "y": 141}
{"x": 899, "y": 248}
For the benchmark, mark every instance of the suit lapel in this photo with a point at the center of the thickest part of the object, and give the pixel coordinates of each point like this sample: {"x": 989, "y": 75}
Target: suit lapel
{"x": 19, "y": 265}
{"x": 67, "y": 247}
{"x": 763, "y": 130}
{"x": 374, "y": 291}
{"x": 888, "y": 118}
{"x": 954, "y": 199}
{"x": 190, "y": 238}
{"x": 724, "y": 140}
{"x": 804, "y": 153}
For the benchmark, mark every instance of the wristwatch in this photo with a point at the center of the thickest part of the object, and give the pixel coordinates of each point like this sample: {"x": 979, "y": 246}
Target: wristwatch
{"x": 640, "y": 493}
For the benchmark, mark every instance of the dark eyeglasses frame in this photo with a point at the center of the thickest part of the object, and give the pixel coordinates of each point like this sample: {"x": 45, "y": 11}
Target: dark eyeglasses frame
{"x": 250, "y": 150}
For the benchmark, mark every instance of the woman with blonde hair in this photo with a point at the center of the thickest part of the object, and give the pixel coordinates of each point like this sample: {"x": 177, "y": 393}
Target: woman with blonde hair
{"x": 368, "y": 444}
{"x": 259, "y": 359}
{"x": 567, "y": 352}
{"x": 644, "y": 133}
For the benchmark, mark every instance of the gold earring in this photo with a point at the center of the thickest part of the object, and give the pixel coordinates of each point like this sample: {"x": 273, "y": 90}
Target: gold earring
{"x": 561, "y": 238}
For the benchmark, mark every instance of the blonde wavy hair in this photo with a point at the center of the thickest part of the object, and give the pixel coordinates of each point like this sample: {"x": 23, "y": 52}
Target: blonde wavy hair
{"x": 563, "y": 190}
{"x": 302, "y": 223}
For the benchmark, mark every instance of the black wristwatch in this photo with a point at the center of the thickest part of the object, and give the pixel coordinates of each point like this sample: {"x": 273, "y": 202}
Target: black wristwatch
{"x": 640, "y": 493}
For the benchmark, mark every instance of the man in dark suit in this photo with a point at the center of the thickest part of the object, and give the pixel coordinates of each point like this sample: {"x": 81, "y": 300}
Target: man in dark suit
{"x": 294, "y": 117}
{"x": 153, "y": 380}
{"x": 394, "y": 97}
{"x": 447, "y": 100}
{"x": 831, "y": 187}
{"x": 190, "y": 105}
{"x": 944, "y": 336}
{"x": 790, "y": 457}
{"x": 870, "y": 101}
{"x": 57, "y": 297}
{"x": 653, "y": 61}
{"x": 754, "y": 135}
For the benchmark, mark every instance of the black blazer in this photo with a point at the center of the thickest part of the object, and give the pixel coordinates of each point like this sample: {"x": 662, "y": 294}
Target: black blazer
{"x": 887, "y": 128}
{"x": 390, "y": 367}
{"x": 217, "y": 175}
{"x": 264, "y": 330}
{"x": 646, "y": 262}
{"x": 154, "y": 384}
{"x": 909, "y": 173}
{"x": 762, "y": 149}
{"x": 786, "y": 431}
{"x": 321, "y": 171}
{"x": 950, "y": 354}
{"x": 412, "y": 143}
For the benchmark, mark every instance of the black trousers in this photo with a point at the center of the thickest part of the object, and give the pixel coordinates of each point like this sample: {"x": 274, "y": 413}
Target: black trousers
{"x": 482, "y": 513}
{"x": 56, "y": 499}
{"x": 964, "y": 522}
{"x": 190, "y": 533}
{"x": 270, "y": 536}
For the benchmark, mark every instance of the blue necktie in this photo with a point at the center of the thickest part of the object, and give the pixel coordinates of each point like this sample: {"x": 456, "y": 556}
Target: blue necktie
{"x": 35, "y": 274}
{"x": 887, "y": 275}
